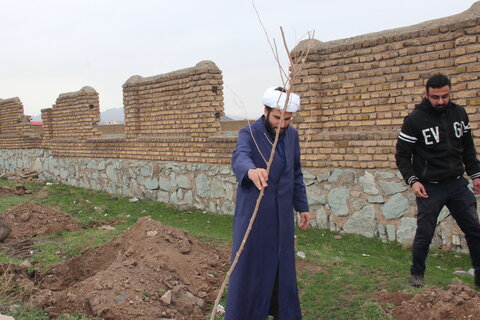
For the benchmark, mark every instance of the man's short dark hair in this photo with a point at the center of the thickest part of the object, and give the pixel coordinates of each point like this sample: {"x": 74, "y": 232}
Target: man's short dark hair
{"x": 438, "y": 81}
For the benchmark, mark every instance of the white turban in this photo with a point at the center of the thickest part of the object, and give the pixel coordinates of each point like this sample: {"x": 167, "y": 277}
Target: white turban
{"x": 276, "y": 99}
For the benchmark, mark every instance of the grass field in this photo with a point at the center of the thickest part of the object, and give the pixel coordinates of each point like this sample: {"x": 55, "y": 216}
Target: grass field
{"x": 337, "y": 280}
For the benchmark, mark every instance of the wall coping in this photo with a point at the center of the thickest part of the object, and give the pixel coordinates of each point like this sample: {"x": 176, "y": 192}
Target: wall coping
{"x": 313, "y": 44}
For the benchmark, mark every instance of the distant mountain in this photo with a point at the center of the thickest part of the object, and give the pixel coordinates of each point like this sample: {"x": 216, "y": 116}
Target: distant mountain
{"x": 112, "y": 115}
{"x": 38, "y": 117}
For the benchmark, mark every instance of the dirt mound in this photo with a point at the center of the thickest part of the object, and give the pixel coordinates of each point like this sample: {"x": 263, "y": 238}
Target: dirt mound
{"x": 18, "y": 190}
{"x": 459, "y": 301}
{"x": 151, "y": 271}
{"x": 31, "y": 219}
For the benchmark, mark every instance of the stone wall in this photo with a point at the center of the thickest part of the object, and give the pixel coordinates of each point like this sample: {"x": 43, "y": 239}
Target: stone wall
{"x": 355, "y": 92}
{"x": 373, "y": 203}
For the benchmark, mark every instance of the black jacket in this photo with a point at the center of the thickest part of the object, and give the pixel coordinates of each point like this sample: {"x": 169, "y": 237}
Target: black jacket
{"x": 436, "y": 146}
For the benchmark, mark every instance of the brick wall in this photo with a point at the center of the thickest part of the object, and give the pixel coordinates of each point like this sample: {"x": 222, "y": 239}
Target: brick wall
{"x": 356, "y": 92}
{"x": 15, "y": 128}
{"x": 186, "y": 102}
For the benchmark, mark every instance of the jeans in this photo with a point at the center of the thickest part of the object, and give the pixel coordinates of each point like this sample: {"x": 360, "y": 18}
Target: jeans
{"x": 463, "y": 207}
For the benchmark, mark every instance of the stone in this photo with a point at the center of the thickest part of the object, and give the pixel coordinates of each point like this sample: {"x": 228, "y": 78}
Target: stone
{"x": 216, "y": 189}
{"x": 307, "y": 175}
{"x": 335, "y": 175}
{"x": 362, "y": 222}
{"x": 167, "y": 297}
{"x": 395, "y": 207}
{"x": 384, "y": 175}
{"x": 406, "y": 230}
{"x": 367, "y": 182}
{"x": 145, "y": 171}
{"x": 225, "y": 170}
{"x": 322, "y": 219}
{"x": 391, "y": 232}
{"x": 323, "y": 176}
{"x": 359, "y": 204}
{"x": 337, "y": 200}
{"x": 203, "y": 186}
{"x": 92, "y": 164}
{"x": 111, "y": 173}
{"x": 382, "y": 231}
{"x": 315, "y": 196}
{"x": 376, "y": 199}
{"x": 348, "y": 178}
{"x": 151, "y": 184}
{"x": 391, "y": 187}
{"x": 38, "y": 165}
{"x": 182, "y": 181}
{"x": 101, "y": 165}
{"x": 188, "y": 197}
{"x": 166, "y": 184}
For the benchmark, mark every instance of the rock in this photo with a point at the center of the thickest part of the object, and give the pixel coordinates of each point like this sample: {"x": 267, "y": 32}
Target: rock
{"x": 151, "y": 184}
{"x": 392, "y": 187}
{"x": 134, "y": 200}
{"x": 367, "y": 182}
{"x": 362, "y": 222}
{"x": 203, "y": 186}
{"x": 166, "y": 184}
{"x": 406, "y": 230}
{"x": 167, "y": 297}
{"x": 395, "y": 207}
{"x": 315, "y": 196}
{"x": 337, "y": 200}
{"x": 376, "y": 199}
{"x": 391, "y": 232}
{"x": 322, "y": 219}
{"x": 183, "y": 182}
{"x": 335, "y": 175}
{"x": 323, "y": 176}
{"x": 26, "y": 264}
{"x": 2, "y": 317}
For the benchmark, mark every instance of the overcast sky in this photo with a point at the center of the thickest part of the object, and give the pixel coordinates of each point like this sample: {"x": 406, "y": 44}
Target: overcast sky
{"x": 50, "y": 47}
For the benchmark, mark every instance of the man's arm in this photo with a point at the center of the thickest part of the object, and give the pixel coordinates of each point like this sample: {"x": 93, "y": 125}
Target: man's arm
{"x": 242, "y": 156}
{"x": 472, "y": 165}
{"x": 404, "y": 152}
{"x": 300, "y": 202}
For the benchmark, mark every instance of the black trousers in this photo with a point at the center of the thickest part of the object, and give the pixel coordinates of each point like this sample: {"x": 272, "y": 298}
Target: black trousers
{"x": 463, "y": 207}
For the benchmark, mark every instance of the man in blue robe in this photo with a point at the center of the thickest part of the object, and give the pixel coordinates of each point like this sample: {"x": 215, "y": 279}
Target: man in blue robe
{"x": 264, "y": 280}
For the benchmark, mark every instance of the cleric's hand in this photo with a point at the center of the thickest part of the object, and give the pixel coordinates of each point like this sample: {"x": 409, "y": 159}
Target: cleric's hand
{"x": 304, "y": 220}
{"x": 259, "y": 177}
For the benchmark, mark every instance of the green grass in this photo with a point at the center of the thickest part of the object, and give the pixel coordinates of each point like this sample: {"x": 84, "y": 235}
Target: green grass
{"x": 337, "y": 280}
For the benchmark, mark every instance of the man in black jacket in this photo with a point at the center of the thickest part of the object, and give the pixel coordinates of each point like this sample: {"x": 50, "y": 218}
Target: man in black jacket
{"x": 434, "y": 149}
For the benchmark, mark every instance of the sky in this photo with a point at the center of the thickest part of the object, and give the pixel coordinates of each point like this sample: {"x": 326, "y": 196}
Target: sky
{"x": 51, "y": 47}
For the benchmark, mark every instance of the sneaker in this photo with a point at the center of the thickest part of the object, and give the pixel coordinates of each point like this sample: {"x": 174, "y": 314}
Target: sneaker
{"x": 417, "y": 280}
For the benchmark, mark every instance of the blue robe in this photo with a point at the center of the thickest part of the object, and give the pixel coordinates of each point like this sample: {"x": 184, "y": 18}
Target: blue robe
{"x": 270, "y": 246}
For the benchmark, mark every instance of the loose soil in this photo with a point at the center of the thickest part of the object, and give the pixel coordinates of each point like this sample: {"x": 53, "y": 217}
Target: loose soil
{"x": 18, "y": 190}
{"x": 31, "y": 219}
{"x": 459, "y": 301}
{"x": 149, "y": 272}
